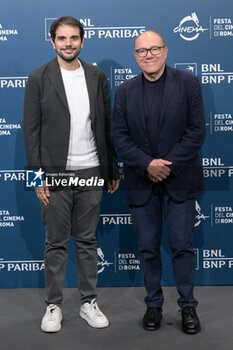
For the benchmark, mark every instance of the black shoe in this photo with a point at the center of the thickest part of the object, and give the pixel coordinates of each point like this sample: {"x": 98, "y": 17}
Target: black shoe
{"x": 152, "y": 318}
{"x": 190, "y": 320}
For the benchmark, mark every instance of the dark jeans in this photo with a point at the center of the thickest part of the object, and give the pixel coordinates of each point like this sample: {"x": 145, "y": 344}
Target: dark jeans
{"x": 179, "y": 219}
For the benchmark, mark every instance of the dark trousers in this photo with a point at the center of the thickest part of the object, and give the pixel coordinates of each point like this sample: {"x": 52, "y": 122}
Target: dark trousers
{"x": 179, "y": 219}
{"x": 75, "y": 209}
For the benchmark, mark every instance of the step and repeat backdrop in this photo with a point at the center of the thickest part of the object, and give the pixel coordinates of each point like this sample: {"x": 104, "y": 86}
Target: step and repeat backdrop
{"x": 199, "y": 36}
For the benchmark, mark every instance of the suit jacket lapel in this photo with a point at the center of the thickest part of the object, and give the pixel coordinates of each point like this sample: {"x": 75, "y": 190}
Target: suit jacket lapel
{"x": 92, "y": 84}
{"x": 138, "y": 91}
{"x": 169, "y": 87}
{"x": 57, "y": 82}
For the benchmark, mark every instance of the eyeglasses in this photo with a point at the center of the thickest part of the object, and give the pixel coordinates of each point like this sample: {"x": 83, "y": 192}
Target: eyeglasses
{"x": 155, "y": 51}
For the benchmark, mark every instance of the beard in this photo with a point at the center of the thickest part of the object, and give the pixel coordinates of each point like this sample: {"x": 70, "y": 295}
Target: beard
{"x": 68, "y": 58}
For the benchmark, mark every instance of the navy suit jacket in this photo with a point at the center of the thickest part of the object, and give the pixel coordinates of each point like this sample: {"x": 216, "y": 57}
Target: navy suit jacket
{"x": 178, "y": 138}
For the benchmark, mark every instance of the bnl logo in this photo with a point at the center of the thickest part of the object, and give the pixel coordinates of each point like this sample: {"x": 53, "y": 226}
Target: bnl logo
{"x": 34, "y": 178}
{"x": 189, "y": 67}
{"x": 48, "y": 22}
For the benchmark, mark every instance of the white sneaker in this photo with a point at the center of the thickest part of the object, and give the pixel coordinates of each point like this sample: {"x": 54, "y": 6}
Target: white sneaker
{"x": 51, "y": 322}
{"x": 92, "y": 314}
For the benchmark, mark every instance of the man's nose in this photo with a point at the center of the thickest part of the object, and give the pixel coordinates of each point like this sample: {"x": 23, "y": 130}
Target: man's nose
{"x": 68, "y": 42}
{"x": 149, "y": 54}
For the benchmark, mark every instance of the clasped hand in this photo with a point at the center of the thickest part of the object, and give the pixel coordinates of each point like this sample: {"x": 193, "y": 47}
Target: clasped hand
{"x": 158, "y": 170}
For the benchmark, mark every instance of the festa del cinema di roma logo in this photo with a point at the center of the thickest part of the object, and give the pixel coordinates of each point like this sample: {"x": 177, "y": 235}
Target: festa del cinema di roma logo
{"x": 189, "y": 28}
{"x": 199, "y": 215}
{"x": 102, "y": 262}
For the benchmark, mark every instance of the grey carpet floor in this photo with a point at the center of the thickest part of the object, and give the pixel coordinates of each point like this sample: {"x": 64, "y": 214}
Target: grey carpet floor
{"x": 21, "y": 311}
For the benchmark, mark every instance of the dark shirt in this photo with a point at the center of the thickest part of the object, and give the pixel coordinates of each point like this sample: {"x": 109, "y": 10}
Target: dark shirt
{"x": 152, "y": 101}
{"x": 152, "y": 96}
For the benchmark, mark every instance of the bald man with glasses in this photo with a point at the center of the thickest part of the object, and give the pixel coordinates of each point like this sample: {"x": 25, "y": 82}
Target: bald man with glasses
{"x": 158, "y": 128}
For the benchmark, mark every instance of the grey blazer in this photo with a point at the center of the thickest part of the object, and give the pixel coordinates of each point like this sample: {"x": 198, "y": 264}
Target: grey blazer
{"x": 47, "y": 119}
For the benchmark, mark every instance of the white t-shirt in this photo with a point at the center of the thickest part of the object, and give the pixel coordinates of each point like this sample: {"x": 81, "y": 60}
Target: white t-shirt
{"x": 82, "y": 152}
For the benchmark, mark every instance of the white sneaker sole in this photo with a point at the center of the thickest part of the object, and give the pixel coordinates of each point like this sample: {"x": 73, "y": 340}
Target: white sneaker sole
{"x": 93, "y": 324}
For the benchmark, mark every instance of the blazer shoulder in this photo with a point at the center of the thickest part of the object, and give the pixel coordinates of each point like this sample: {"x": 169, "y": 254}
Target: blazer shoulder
{"x": 92, "y": 68}
{"x": 129, "y": 84}
{"x": 181, "y": 74}
{"x": 38, "y": 72}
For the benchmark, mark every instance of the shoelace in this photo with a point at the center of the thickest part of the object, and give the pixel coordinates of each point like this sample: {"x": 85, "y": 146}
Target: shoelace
{"x": 52, "y": 312}
{"x": 152, "y": 313}
{"x": 189, "y": 312}
{"x": 94, "y": 307}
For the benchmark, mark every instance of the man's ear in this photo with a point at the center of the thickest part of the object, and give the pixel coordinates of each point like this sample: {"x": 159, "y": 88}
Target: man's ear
{"x": 52, "y": 43}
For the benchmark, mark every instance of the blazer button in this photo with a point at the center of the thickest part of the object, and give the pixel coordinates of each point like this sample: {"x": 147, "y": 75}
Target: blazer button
{"x": 146, "y": 144}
